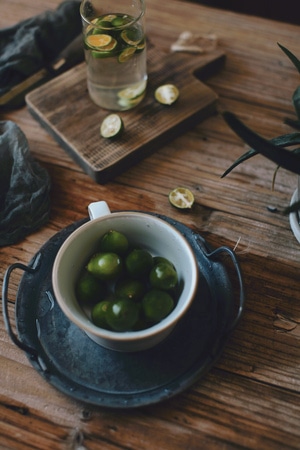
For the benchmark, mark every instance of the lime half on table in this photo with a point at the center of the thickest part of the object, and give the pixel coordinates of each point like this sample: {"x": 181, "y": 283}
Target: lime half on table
{"x": 181, "y": 198}
{"x": 111, "y": 126}
{"x": 166, "y": 94}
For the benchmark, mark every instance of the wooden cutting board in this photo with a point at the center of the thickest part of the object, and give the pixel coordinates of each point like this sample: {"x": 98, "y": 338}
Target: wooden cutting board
{"x": 64, "y": 108}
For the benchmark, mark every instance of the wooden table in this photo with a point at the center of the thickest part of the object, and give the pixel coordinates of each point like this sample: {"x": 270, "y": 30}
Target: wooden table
{"x": 250, "y": 399}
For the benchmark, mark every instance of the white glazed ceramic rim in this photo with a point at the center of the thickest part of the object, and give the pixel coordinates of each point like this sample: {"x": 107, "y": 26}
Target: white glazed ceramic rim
{"x": 69, "y": 304}
{"x": 293, "y": 218}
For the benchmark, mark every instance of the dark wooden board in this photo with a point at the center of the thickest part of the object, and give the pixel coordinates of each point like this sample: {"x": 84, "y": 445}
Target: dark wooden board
{"x": 64, "y": 108}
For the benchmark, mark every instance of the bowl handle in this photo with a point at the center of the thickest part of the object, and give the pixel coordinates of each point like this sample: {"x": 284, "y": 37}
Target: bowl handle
{"x": 33, "y": 267}
{"x": 213, "y": 255}
{"x": 98, "y": 209}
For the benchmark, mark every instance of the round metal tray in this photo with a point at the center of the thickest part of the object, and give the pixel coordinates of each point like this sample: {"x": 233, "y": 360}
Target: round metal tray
{"x": 69, "y": 360}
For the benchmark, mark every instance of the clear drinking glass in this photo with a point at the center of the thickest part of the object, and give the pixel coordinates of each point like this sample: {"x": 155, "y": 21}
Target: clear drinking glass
{"x": 115, "y": 52}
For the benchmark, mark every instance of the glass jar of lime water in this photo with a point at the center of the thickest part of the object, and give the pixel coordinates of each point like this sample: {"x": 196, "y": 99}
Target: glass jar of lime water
{"x": 115, "y": 52}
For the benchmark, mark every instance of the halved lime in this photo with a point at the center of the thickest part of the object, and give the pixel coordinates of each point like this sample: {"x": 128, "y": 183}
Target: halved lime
{"x": 181, "y": 198}
{"x": 111, "y": 126}
{"x": 126, "y": 54}
{"x": 166, "y": 94}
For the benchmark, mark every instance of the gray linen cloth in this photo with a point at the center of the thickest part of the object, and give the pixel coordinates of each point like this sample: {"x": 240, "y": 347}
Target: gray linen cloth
{"x": 24, "y": 187}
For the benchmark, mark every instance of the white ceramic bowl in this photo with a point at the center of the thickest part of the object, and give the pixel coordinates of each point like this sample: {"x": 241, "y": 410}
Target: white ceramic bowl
{"x": 145, "y": 230}
{"x": 294, "y": 218}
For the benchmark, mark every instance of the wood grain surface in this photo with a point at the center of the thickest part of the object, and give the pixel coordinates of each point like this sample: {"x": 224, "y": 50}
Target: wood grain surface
{"x": 64, "y": 108}
{"x": 251, "y": 397}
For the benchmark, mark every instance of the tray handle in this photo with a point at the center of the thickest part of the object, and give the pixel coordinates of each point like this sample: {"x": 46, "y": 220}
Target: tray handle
{"x": 213, "y": 255}
{"x": 32, "y": 268}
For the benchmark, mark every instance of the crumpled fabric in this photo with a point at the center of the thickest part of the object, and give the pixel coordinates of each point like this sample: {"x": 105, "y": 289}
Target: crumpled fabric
{"x": 31, "y": 44}
{"x": 24, "y": 187}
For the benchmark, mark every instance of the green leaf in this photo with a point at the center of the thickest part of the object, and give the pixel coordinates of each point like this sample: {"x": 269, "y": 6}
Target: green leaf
{"x": 291, "y": 56}
{"x": 240, "y": 160}
{"x": 283, "y": 140}
{"x": 279, "y": 155}
{"x": 296, "y": 101}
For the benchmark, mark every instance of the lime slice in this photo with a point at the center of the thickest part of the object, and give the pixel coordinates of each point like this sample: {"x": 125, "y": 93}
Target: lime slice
{"x": 102, "y": 24}
{"x": 109, "y": 17}
{"x": 141, "y": 45}
{"x": 126, "y": 54}
{"x": 166, "y": 94}
{"x": 104, "y": 52}
{"x": 100, "y": 41}
{"x": 181, "y": 198}
{"x": 134, "y": 91}
{"x": 132, "y": 36}
{"x": 121, "y": 20}
{"x": 111, "y": 126}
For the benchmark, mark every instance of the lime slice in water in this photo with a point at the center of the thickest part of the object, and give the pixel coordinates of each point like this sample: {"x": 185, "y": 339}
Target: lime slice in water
{"x": 132, "y": 36}
{"x": 104, "y": 52}
{"x": 121, "y": 20}
{"x": 133, "y": 91}
{"x": 131, "y": 96}
{"x": 100, "y": 41}
{"x": 109, "y": 17}
{"x": 126, "y": 54}
{"x": 166, "y": 94}
{"x": 111, "y": 126}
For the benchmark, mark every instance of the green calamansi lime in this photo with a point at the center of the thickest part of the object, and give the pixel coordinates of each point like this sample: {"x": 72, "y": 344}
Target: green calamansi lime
{"x": 122, "y": 314}
{"x": 111, "y": 126}
{"x": 181, "y": 198}
{"x": 89, "y": 288}
{"x": 157, "y": 305}
{"x": 161, "y": 259}
{"x": 166, "y": 94}
{"x": 163, "y": 276}
{"x": 132, "y": 289}
{"x": 99, "y": 313}
{"x": 114, "y": 241}
{"x": 138, "y": 263}
{"x": 106, "y": 266}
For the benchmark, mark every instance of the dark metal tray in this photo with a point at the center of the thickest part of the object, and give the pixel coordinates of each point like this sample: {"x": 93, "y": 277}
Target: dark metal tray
{"x": 69, "y": 360}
